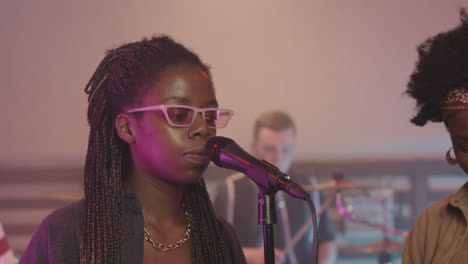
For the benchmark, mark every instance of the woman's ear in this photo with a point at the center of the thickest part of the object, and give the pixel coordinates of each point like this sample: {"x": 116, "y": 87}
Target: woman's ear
{"x": 123, "y": 128}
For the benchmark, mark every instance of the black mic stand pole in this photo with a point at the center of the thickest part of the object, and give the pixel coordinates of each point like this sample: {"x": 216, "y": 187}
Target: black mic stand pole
{"x": 267, "y": 218}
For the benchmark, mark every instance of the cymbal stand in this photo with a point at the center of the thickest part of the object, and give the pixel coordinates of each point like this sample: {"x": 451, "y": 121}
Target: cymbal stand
{"x": 343, "y": 212}
{"x": 384, "y": 256}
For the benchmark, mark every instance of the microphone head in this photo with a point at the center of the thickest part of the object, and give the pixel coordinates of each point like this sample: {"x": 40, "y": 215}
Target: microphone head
{"x": 214, "y": 146}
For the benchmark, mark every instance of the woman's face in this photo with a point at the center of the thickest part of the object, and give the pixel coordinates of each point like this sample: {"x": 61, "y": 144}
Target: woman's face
{"x": 174, "y": 154}
{"x": 458, "y": 127}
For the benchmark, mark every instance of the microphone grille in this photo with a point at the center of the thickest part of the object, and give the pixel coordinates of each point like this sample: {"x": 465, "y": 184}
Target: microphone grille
{"x": 214, "y": 145}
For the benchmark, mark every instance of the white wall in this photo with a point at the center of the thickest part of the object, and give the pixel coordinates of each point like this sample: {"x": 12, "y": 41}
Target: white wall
{"x": 339, "y": 67}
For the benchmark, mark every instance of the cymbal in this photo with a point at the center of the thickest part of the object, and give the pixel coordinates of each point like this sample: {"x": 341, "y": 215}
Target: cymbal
{"x": 65, "y": 196}
{"x": 334, "y": 185}
{"x": 383, "y": 245}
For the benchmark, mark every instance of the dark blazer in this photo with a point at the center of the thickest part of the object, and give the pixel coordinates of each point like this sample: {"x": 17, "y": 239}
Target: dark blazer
{"x": 57, "y": 240}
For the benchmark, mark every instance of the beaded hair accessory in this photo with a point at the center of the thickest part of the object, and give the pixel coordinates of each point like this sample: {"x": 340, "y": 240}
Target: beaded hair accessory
{"x": 456, "y": 101}
{"x": 93, "y": 93}
{"x": 91, "y": 96}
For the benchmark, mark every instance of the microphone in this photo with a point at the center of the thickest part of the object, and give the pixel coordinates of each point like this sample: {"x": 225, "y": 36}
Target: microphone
{"x": 225, "y": 153}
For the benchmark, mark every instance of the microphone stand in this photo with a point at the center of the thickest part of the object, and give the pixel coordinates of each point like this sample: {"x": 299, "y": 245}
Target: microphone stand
{"x": 267, "y": 218}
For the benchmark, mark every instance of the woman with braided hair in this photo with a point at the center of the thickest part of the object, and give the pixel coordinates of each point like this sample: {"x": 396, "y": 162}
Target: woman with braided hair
{"x": 151, "y": 109}
{"x": 440, "y": 87}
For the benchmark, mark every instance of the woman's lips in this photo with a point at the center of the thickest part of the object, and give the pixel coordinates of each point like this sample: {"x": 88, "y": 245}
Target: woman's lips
{"x": 197, "y": 156}
{"x": 197, "y": 159}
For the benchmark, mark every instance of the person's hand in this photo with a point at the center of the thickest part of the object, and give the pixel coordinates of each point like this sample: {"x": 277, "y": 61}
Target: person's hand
{"x": 256, "y": 256}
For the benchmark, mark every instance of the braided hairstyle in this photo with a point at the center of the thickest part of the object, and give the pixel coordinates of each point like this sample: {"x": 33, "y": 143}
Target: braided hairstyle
{"x": 118, "y": 82}
{"x": 442, "y": 66}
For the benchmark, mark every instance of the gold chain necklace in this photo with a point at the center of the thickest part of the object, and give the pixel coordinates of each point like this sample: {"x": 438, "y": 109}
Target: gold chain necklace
{"x": 174, "y": 245}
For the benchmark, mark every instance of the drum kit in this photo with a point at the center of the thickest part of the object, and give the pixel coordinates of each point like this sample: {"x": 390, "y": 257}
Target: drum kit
{"x": 334, "y": 192}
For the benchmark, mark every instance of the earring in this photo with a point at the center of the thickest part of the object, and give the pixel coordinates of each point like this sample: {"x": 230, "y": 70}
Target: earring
{"x": 450, "y": 160}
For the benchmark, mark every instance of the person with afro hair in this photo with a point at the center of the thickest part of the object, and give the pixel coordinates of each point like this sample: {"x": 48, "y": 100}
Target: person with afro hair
{"x": 439, "y": 84}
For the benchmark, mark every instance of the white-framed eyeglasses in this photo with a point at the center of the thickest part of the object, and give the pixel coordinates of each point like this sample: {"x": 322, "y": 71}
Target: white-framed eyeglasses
{"x": 184, "y": 115}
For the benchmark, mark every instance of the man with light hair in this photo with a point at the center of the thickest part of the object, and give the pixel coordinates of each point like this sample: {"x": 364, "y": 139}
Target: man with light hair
{"x": 236, "y": 199}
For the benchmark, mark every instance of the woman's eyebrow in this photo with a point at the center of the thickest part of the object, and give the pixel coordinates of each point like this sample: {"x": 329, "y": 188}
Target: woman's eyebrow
{"x": 212, "y": 102}
{"x": 179, "y": 99}
{"x": 184, "y": 100}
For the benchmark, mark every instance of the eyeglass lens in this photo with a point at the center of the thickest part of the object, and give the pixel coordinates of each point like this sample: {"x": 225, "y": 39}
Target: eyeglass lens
{"x": 184, "y": 116}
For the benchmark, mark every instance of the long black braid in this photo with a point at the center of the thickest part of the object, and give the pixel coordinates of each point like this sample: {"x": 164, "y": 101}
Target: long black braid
{"x": 118, "y": 82}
